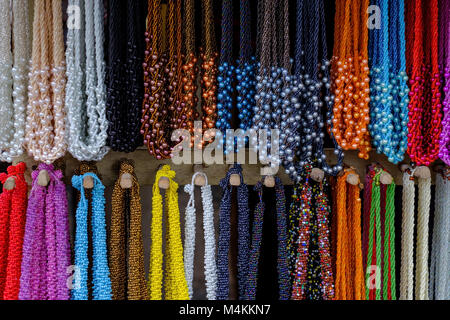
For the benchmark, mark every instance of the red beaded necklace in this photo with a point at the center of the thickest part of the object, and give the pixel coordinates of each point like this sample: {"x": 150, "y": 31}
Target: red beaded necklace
{"x": 423, "y": 70}
{"x": 13, "y": 206}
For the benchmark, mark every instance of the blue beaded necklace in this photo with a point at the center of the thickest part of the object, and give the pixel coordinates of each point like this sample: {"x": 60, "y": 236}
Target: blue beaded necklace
{"x": 282, "y": 262}
{"x": 224, "y": 235}
{"x": 274, "y": 86}
{"x": 246, "y": 71}
{"x": 226, "y": 73}
{"x": 312, "y": 92}
{"x": 388, "y": 85}
{"x": 100, "y": 270}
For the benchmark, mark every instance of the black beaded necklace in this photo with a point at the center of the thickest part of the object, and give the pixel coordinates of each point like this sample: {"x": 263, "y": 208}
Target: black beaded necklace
{"x": 125, "y": 50}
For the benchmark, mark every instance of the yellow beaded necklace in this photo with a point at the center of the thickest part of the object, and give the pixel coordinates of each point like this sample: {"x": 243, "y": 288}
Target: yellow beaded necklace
{"x": 175, "y": 285}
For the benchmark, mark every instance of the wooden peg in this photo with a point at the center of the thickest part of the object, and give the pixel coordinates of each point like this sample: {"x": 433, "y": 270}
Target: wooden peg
{"x": 10, "y": 183}
{"x": 88, "y": 182}
{"x": 164, "y": 183}
{"x": 235, "y": 180}
{"x": 353, "y": 179}
{"x": 317, "y": 174}
{"x": 422, "y": 172}
{"x": 199, "y": 179}
{"x": 126, "y": 181}
{"x": 386, "y": 178}
{"x": 269, "y": 181}
{"x": 43, "y": 178}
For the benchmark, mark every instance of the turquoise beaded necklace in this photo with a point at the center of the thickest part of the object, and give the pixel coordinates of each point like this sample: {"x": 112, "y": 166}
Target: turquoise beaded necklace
{"x": 388, "y": 86}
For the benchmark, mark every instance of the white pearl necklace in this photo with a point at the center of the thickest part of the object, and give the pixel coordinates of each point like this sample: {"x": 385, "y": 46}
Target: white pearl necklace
{"x": 13, "y": 77}
{"x": 210, "y": 240}
{"x": 45, "y": 126}
{"x": 86, "y": 91}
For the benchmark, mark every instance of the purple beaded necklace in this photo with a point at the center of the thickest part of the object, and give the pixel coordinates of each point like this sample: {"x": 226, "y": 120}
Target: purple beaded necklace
{"x": 46, "y": 247}
{"x": 444, "y": 62}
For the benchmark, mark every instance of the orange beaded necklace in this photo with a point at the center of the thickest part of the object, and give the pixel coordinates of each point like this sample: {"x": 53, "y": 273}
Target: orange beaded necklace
{"x": 350, "y": 75}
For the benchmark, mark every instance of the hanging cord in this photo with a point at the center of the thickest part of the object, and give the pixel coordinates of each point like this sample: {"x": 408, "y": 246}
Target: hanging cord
{"x": 126, "y": 257}
{"x": 257, "y": 233}
{"x": 85, "y": 89}
{"x": 425, "y": 105}
{"x": 46, "y": 246}
{"x": 444, "y": 46}
{"x": 44, "y": 131}
{"x": 439, "y": 287}
{"x": 350, "y": 77}
{"x": 349, "y": 275}
{"x": 175, "y": 284}
{"x": 312, "y": 226}
{"x": 223, "y": 286}
{"x": 14, "y": 59}
{"x": 13, "y": 206}
{"x": 209, "y": 234}
{"x": 388, "y": 86}
{"x": 101, "y": 282}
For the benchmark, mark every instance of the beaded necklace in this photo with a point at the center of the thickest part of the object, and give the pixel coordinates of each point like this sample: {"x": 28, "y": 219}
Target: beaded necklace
{"x": 444, "y": 54}
{"x": 208, "y": 71}
{"x": 310, "y": 242}
{"x": 44, "y": 130}
{"x": 423, "y": 70}
{"x": 190, "y": 67}
{"x": 350, "y": 77}
{"x": 13, "y": 206}
{"x": 14, "y": 71}
{"x": 274, "y": 80}
{"x": 101, "y": 283}
{"x": 227, "y": 73}
{"x": 243, "y": 73}
{"x": 175, "y": 284}
{"x": 126, "y": 257}
{"x": 246, "y": 69}
{"x": 440, "y": 255}
{"x": 388, "y": 86}
{"x": 162, "y": 110}
{"x": 349, "y": 275}
{"x": 407, "y": 266}
{"x": 379, "y": 236}
{"x": 223, "y": 286}
{"x": 85, "y": 89}
{"x": 311, "y": 89}
{"x": 46, "y": 246}
{"x": 125, "y": 85}
{"x": 257, "y": 233}
{"x": 210, "y": 240}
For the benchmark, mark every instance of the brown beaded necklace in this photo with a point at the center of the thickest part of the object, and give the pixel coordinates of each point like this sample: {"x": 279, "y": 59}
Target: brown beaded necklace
{"x": 127, "y": 279}
{"x": 163, "y": 109}
{"x": 208, "y": 71}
